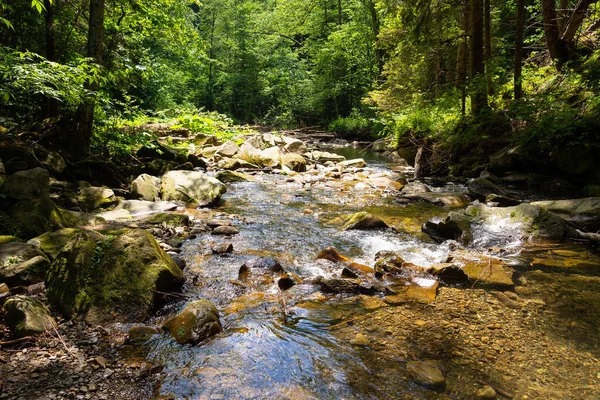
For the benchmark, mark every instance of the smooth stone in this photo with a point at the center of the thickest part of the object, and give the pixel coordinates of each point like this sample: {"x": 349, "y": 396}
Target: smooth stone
{"x": 198, "y": 321}
{"x": 222, "y": 248}
{"x": 225, "y": 230}
{"x": 426, "y": 373}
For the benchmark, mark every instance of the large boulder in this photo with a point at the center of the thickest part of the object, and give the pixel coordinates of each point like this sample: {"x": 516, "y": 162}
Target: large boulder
{"x": 92, "y": 198}
{"x": 227, "y": 149}
{"x": 119, "y": 277}
{"x": 27, "y": 316}
{"x": 191, "y": 187}
{"x": 145, "y": 187}
{"x": 584, "y": 212}
{"x": 22, "y": 264}
{"x": 54, "y": 163}
{"x": 198, "y": 321}
{"x": 26, "y": 185}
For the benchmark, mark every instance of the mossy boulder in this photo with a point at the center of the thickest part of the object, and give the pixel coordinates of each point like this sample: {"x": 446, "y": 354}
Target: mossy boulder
{"x": 364, "y": 221}
{"x": 191, "y": 187}
{"x": 27, "y": 316}
{"x": 198, "y": 321}
{"x": 51, "y": 243}
{"x": 93, "y": 198}
{"x": 25, "y": 185}
{"x": 115, "y": 278}
{"x": 30, "y": 218}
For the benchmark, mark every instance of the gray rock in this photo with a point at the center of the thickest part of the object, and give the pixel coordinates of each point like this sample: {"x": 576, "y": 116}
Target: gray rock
{"x": 27, "y": 185}
{"x": 141, "y": 333}
{"x": 487, "y": 393}
{"x": 227, "y": 149}
{"x": 323, "y": 156}
{"x": 145, "y": 187}
{"x": 584, "y": 212}
{"x": 222, "y": 248}
{"x": 502, "y": 201}
{"x": 27, "y": 316}
{"x": 426, "y": 373}
{"x": 191, "y": 187}
{"x": 22, "y": 264}
{"x": 198, "y": 321}
{"x": 55, "y": 163}
{"x": 293, "y": 145}
{"x": 355, "y": 163}
{"x": 416, "y": 187}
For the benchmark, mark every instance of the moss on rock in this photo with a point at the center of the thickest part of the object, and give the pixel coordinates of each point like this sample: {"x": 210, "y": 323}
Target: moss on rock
{"x": 117, "y": 277}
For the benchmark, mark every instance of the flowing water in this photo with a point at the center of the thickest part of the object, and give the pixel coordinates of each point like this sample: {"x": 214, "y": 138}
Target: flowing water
{"x": 281, "y": 344}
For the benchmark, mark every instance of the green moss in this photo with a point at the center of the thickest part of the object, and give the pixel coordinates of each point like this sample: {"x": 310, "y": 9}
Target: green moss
{"x": 8, "y": 239}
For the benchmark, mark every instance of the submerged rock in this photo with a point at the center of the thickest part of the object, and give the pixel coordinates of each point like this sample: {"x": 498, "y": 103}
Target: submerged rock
{"x": 27, "y": 316}
{"x": 225, "y": 230}
{"x": 119, "y": 274}
{"x": 198, "y": 321}
{"x": 427, "y": 373}
{"x": 222, "y": 248}
{"x": 141, "y": 333}
{"x": 364, "y": 221}
{"x": 191, "y": 187}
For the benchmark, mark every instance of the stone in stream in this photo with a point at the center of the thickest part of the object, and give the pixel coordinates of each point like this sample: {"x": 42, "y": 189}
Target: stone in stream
{"x": 287, "y": 281}
{"x": 293, "y": 145}
{"x": 480, "y": 188}
{"x": 225, "y": 230}
{"x": 198, "y": 321}
{"x": 227, "y": 149}
{"x": 232, "y": 176}
{"x": 487, "y": 393}
{"x": 141, "y": 207}
{"x": 27, "y": 316}
{"x": 355, "y": 163}
{"x": 351, "y": 269}
{"x": 222, "y": 248}
{"x": 583, "y": 212}
{"x": 169, "y": 220}
{"x": 427, "y": 373}
{"x": 364, "y": 221}
{"x": 502, "y": 201}
{"x": 415, "y": 187}
{"x": 93, "y": 198}
{"x": 191, "y": 187}
{"x": 388, "y": 262}
{"x": 141, "y": 333}
{"x": 294, "y": 162}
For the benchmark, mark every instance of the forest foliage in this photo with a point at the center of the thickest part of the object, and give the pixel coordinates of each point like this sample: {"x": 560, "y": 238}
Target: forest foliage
{"x": 458, "y": 72}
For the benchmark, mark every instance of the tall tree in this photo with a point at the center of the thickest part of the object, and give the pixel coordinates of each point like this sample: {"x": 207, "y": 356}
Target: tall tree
{"x": 518, "y": 83}
{"x": 80, "y": 145}
{"x": 478, "y": 86}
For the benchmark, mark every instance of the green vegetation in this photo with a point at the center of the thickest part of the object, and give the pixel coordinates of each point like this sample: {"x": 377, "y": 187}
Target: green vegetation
{"x": 425, "y": 71}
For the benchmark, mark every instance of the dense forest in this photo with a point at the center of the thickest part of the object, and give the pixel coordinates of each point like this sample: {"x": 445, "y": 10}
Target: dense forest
{"x": 456, "y": 74}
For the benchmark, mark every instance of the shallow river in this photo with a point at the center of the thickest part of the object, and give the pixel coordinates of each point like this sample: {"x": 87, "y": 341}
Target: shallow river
{"x": 280, "y": 344}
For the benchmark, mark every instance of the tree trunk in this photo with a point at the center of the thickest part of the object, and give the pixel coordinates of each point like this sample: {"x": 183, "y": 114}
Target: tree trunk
{"x": 519, "y": 49}
{"x": 80, "y": 145}
{"x": 339, "y": 8}
{"x": 478, "y": 87}
{"x": 556, "y": 46}
{"x": 488, "y": 46}
{"x": 461, "y": 54}
{"x": 51, "y": 107}
{"x": 420, "y": 163}
{"x": 379, "y": 52}
{"x": 575, "y": 21}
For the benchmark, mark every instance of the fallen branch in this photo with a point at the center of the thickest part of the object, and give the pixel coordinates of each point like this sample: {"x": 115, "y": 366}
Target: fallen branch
{"x": 63, "y": 343}
{"x": 489, "y": 266}
{"x": 16, "y": 341}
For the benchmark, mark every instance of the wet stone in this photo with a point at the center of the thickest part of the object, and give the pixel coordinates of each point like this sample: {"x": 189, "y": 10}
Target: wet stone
{"x": 222, "y": 248}
{"x": 427, "y": 373}
{"x": 225, "y": 230}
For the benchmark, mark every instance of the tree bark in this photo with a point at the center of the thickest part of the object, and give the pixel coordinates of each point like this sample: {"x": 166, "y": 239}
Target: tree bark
{"x": 478, "y": 87}
{"x": 51, "y": 107}
{"x": 518, "y": 84}
{"x": 339, "y": 9}
{"x": 556, "y": 46}
{"x": 488, "y": 46}
{"x": 80, "y": 145}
